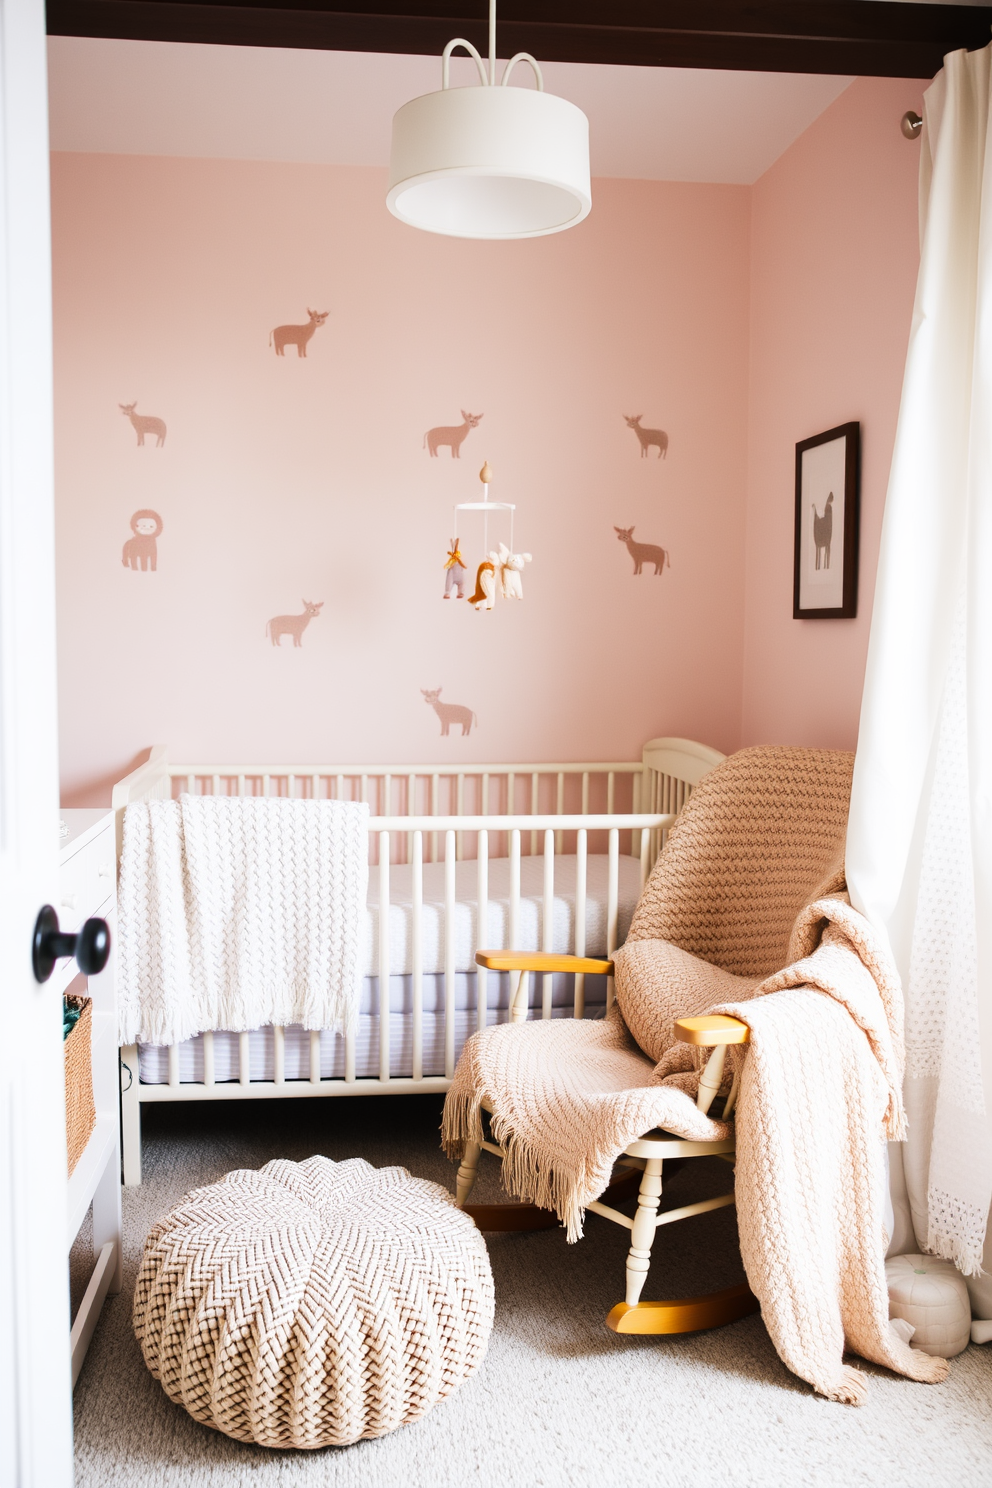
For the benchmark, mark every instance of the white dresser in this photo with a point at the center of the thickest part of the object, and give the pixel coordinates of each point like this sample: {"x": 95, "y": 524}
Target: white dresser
{"x": 88, "y": 887}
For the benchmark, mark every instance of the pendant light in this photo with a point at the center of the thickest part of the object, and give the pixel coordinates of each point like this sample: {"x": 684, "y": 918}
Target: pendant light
{"x": 489, "y": 161}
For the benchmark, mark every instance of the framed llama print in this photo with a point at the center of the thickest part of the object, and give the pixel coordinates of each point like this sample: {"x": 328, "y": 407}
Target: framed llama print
{"x": 825, "y": 584}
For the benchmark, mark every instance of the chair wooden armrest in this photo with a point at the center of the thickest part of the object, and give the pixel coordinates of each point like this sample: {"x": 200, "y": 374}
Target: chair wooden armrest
{"x": 543, "y": 961}
{"x": 714, "y": 1029}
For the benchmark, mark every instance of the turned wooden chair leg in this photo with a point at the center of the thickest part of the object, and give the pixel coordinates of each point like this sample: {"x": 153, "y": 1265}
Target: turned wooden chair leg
{"x": 643, "y": 1232}
{"x": 467, "y": 1171}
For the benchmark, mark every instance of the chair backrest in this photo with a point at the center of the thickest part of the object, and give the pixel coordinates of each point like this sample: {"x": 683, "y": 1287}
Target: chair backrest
{"x": 761, "y": 834}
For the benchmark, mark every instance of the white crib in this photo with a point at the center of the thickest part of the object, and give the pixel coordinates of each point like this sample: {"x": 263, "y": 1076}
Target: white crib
{"x": 460, "y": 867}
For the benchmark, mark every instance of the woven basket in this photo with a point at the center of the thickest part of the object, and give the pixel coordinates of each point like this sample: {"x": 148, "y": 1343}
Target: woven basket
{"x": 80, "y": 1111}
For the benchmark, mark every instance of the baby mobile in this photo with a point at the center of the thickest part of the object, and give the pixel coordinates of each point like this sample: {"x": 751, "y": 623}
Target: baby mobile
{"x": 501, "y": 570}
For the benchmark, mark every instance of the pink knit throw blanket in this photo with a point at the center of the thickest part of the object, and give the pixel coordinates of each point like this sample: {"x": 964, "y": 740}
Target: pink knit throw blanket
{"x": 820, "y": 1091}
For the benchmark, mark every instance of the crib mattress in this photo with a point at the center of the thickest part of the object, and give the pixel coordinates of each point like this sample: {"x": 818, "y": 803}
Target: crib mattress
{"x": 530, "y": 923}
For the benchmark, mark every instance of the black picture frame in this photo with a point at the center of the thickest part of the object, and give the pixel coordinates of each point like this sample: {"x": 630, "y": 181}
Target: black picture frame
{"x": 829, "y": 460}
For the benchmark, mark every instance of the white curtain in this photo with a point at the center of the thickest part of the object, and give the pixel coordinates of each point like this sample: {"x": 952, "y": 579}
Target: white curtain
{"x": 919, "y": 852}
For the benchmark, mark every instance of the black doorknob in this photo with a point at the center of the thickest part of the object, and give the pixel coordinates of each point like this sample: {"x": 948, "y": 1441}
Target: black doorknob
{"x": 91, "y": 947}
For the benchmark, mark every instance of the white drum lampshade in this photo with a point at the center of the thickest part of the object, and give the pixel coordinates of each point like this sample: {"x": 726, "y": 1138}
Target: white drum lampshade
{"x": 490, "y": 161}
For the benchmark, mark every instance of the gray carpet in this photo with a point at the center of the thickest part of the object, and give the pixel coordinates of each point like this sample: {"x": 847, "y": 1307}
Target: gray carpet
{"x": 561, "y": 1402}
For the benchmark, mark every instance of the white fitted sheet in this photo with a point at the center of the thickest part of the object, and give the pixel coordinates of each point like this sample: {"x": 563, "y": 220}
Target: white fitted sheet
{"x": 530, "y": 925}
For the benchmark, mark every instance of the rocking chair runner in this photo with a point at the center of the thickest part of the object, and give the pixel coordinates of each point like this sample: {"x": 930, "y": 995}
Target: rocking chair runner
{"x": 761, "y": 837}
{"x": 649, "y": 1154}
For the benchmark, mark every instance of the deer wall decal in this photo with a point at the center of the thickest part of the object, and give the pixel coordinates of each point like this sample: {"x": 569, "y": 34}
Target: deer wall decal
{"x": 648, "y": 436}
{"x": 643, "y": 552}
{"x": 450, "y": 713}
{"x": 451, "y": 434}
{"x": 293, "y": 625}
{"x": 297, "y": 335}
{"x": 144, "y": 423}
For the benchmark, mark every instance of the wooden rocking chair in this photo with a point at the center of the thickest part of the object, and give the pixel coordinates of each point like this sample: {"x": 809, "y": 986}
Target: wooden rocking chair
{"x": 762, "y": 835}
{"x": 648, "y": 1154}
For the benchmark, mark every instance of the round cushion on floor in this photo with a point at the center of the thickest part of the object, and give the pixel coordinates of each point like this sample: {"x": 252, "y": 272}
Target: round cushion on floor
{"x": 931, "y": 1295}
{"x": 313, "y": 1304}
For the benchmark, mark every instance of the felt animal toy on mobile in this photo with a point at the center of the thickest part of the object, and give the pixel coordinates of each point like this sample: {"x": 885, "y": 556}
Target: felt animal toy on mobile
{"x": 485, "y": 584}
{"x": 511, "y": 566}
{"x": 454, "y": 571}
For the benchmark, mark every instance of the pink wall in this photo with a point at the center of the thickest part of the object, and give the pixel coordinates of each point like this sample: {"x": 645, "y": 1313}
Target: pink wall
{"x": 834, "y": 255}
{"x": 739, "y": 320}
{"x": 283, "y": 478}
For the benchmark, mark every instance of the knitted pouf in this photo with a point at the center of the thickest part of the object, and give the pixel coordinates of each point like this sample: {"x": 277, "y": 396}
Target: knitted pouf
{"x": 313, "y": 1304}
{"x": 932, "y": 1296}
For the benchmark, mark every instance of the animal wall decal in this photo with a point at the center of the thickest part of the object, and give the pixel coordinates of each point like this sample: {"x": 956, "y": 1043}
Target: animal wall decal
{"x": 485, "y": 584}
{"x": 141, "y": 550}
{"x": 511, "y": 566}
{"x": 144, "y": 423}
{"x": 454, "y": 575}
{"x": 823, "y": 528}
{"x": 297, "y": 335}
{"x": 648, "y": 437}
{"x": 451, "y": 434}
{"x": 293, "y": 625}
{"x": 450, "y": 713}
{"x": 643, "y": 552}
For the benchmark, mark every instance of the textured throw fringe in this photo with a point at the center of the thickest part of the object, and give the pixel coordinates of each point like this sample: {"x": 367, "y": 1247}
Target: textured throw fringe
{"x": 851, "y": 1388}
{"x": 954, "y": 1248}
{"x": 524, "y": 1177}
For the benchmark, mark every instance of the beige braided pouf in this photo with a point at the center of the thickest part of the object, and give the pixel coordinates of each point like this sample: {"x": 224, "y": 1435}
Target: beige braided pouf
{"x": 313, "y": 1304}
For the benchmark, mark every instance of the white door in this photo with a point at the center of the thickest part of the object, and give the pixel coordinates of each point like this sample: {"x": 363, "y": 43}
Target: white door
{"x": 35, "y": 1393}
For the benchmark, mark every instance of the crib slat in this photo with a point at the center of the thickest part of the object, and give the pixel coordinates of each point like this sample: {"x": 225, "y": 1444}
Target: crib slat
{"x": 244, "y": 1059}
{"x": 581, "y": 865}
{"x": 645, "y": 855}
{"x": 482, "y": 927}
{"x": 315, "y": 787}
{"x": 484, "y": 803}
{"x": 191, "y": 784}
{"x": 585, "y": 792}
{"x": 459, "y": 811}
{"x": 535, "y": 797}
{"x": 387, "y": 795}
{"x": 208, "y": 1058}
{"x": 383, "y": 955}
{"x": 548, "y": 926}
{"x": 417, "y": 949}
{"x": 411, "y": 810}
{"x": 560, "y": 808}
{"x": 612, "y": 904}
{"x": 449, "y": 954}
{"x": 290, "y": 786}
{"x": 314, "y": 1056}
{"x": 339, "y": 787}
{"x": 173, "y": 1064}
{"x": 611, "y": 783}
{"x": 513, "y": 938}
{"x": 278, "y": 1054}
{"x": 435, "y": 791}
{"x": 215, "y": 785}
{"x": 265, "y": 785}
{"x": 241, "y": 785}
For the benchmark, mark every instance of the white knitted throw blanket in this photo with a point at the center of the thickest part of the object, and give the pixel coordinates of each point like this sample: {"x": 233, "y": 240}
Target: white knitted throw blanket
{"x": 236, "y": 912}
{"x": 820, "y": 1091}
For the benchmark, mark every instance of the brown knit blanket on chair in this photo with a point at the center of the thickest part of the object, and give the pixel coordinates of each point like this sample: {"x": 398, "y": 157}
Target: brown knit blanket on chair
{"x": 820, "y": 1091}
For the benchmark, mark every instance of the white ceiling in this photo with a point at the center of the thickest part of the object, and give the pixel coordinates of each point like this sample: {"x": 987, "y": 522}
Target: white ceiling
{"x": 262, "y": 103}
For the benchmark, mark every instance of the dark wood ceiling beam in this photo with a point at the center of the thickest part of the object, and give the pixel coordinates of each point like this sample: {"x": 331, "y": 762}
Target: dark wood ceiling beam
{"x": 880, "y": 38}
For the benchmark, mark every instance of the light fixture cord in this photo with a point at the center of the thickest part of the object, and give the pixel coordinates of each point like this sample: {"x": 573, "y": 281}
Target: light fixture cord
{"x": 492, "y": 43}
